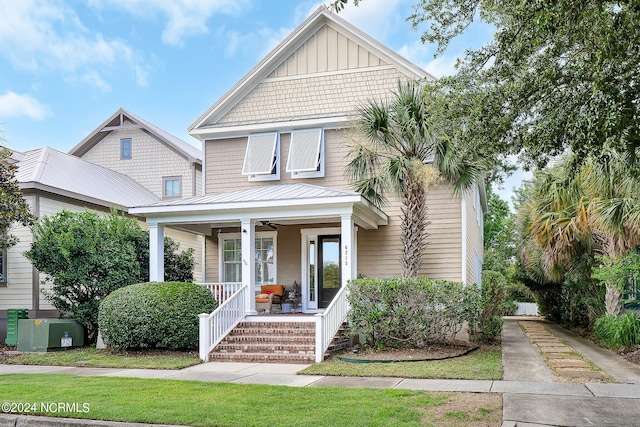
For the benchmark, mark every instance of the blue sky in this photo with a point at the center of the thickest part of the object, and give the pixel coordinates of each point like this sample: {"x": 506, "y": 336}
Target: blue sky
{"x": 65, "y": 66}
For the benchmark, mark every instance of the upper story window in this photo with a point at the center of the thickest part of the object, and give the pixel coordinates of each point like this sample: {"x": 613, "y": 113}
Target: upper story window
{"x": 306, "y": 154}
{"x": 172, "y": 186}
{"x": 478, "y": 205}
{"x": 262, "y": 157}
{"x": 125, "y": 148}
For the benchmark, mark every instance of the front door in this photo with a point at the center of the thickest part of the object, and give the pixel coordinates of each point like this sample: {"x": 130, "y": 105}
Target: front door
{"x": 329, "y": 269}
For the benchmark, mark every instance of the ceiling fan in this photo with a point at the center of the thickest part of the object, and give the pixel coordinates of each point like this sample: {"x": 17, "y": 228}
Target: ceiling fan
{"x": 270, "y": 224}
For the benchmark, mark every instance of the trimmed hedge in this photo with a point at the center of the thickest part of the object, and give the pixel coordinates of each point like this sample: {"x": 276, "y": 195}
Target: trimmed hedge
{"x": 154, "y": 315}
{"x": 410, "y": 312}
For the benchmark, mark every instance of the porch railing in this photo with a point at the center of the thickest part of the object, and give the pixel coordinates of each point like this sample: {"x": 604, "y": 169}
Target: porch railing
{"x": 329, "y": 322}
{"x": 215, "y": 326}
{"x": 222, "y": 291}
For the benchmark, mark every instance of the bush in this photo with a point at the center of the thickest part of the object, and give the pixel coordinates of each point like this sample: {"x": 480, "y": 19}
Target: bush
{"x": 618, "y": 331}
{"x": 495, "y": 303}
{"x": 410, "y": 312}
{"x": 154, "y": 315}
{"x": 87, "y": 256}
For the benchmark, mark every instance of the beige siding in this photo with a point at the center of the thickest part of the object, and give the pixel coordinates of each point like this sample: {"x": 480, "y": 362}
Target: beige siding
{"x": 151, "y": 160}
{"x": 17, "y": 293}
{"x": 474, "y": 238}
{"x": 326, "y": 50}
{"x": 316, "y": 96}
{"x": 379, "y": 250}
{"x": 224, "y": 160}
{"x": 189, "y": 240}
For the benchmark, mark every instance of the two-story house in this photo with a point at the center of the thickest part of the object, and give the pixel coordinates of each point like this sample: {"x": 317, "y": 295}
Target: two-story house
{"x": 126, "y": 161}
{"x": 277, "y": 207}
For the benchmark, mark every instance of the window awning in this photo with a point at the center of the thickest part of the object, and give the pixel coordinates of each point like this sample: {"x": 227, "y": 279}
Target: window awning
{"x": 304, "y": 151}
{"x": 260, "y": 156}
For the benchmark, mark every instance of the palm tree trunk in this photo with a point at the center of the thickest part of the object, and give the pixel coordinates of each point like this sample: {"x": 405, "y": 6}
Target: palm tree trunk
{"x": 613, "y": 300}
{"x": 413, "y": 228}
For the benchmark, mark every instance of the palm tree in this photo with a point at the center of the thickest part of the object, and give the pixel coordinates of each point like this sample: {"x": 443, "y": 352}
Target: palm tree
{"x": 403, "y": 153}
{"x": 593, "y": 207}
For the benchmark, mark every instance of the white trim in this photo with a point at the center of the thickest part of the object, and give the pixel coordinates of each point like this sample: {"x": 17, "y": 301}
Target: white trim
{"x": 463, "y": 237}
{"x": 307, "y": 234}
{"x": 318, "y": 170}
{"x": 262, "y": 145}
{"x": 213, "y": 133}
{"x": 328, "y": 73}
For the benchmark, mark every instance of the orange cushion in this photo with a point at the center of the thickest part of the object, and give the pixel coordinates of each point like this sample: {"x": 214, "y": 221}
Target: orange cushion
{"x": 276, "y": 289}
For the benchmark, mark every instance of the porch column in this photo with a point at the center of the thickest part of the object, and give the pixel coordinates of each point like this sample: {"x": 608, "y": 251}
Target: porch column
{"x": 248, "y": 231}
{"x": 156, "y": 252}
{"x": 347, "y": 248}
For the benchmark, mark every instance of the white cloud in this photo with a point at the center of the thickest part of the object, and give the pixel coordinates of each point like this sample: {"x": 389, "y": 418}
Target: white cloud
{"x": 184, "y": 17}
{"x": 15, "y": 105}
{"x": 94, "y": 79}
{"x": 259, "y": 42}
{"x": 48, "y": 35}
{"x": 378, "y": 18}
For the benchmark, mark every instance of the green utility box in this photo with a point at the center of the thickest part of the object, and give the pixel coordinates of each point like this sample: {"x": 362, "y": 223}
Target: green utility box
{"x": 13, "y": 315}
{"x": 44, "y": 335}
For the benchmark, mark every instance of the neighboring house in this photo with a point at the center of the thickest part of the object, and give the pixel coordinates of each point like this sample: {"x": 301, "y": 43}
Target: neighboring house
{"x": 52, "y": 181}
{"x": 277, "y": 207}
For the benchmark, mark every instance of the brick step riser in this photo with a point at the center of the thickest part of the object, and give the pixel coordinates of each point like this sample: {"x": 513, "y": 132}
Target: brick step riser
{"x": 274, "y": 332}
{"x": 288, "y": 325}
{"x": 244, "y": 339}
{"x": 262, "y": 358}
{"x": 266, "y": 348}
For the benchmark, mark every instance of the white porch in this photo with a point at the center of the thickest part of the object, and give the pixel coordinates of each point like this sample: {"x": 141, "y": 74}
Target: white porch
{"x": 314, "y": 210}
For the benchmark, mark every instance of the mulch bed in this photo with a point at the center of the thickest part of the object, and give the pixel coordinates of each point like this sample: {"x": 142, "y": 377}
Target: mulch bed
{"x": 6, "y": 353}
{"x": 433, "y": 352}
{"x": 631, "y": 355}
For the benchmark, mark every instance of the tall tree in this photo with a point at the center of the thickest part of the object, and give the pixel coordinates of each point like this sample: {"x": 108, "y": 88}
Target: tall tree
{"x": 582, "y": 206}
{"x": 557, "y": 74}
{"x": 402, "y": 153}
{"x": 13, "y": 206}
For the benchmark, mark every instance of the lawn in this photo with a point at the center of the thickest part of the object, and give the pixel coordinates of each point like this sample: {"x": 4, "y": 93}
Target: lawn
{"x": 90, "y": 357}
{"x": 220, "y": 404}
{"x": 483, "y": 364}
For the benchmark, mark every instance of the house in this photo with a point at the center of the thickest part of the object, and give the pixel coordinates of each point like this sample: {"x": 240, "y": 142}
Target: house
{"x": 277, "y": 207}
{"x": 125, "y": 162}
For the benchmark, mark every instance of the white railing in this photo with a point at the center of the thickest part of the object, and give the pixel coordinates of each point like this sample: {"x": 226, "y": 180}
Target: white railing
{"x": 215, "y": 326}
{"x": 329, "y": 322}
{"x": 222, "y": 291}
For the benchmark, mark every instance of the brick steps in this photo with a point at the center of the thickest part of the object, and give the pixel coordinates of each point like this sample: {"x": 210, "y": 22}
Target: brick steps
{"x": 273, "y": 342}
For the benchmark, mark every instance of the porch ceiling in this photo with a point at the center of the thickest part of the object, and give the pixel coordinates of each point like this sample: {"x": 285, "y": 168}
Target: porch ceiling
{"x": 293, "y": 203}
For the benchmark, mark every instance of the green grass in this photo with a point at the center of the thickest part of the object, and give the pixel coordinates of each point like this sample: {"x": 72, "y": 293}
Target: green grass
{"x": 90, "y": 357}
{"x": 484, "y": 364}
{"x": 221, "y": 404}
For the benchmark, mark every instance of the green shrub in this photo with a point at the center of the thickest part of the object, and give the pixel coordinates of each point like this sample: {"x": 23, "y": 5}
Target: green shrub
{"x": 154, "y": 315}
{"x": 410, "y": 312}
{"x": 495, "y": 302}
{"x": 618, "y": 331}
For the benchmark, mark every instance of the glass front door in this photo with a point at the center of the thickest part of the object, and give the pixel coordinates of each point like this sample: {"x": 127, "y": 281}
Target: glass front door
{"x": 328, "y": 269}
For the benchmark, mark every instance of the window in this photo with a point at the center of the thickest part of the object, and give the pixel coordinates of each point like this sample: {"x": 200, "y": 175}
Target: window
{"x": 3, "y": 267}
{"x": 306, "y": 154}
{"x": 261, "y": 159}
{"x": 232, "y": 256}
{"x": 172, "y": 186}
{"x": 264, "y": 256}
{"x": 125, "y": 148}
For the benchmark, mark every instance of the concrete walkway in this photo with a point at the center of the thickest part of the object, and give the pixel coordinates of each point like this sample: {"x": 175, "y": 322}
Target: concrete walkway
{"x": 530, "y": 397}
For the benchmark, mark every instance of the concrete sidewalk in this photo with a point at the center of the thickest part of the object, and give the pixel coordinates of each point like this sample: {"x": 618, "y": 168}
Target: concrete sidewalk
{"x": 530, "y": 397}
